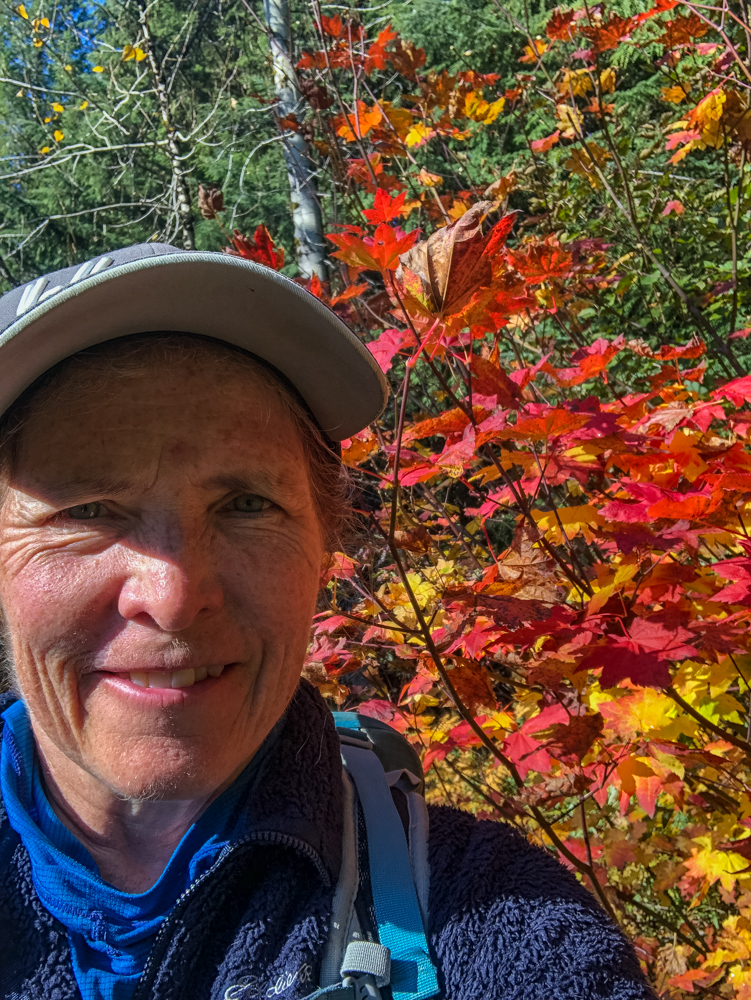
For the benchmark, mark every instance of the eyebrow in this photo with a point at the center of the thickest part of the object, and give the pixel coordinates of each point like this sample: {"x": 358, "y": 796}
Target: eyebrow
{"x": 249, "y": 483}
{"x": 64, "y": 489}
{"x": 67, "y": 490}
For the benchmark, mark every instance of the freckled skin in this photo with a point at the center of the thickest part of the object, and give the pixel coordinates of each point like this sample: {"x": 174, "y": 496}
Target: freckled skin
{"x": 173, "y": 570}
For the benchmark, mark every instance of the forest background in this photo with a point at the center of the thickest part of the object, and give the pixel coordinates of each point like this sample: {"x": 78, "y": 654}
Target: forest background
{"x": 537, "y": 220}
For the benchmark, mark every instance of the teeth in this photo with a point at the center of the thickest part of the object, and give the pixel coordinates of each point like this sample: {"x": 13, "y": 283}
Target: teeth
{"x": 183, "y": 678}
{"x": 175, "y": 678}
{"x": 160, "y": 680}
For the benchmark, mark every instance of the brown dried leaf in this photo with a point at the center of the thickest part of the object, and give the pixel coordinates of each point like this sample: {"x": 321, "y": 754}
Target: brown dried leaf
{"x": 210, "y": 201}
{"x": 414, "y": 540}
{"x": 571, "y": 742}
{"x": 455, "y": 261}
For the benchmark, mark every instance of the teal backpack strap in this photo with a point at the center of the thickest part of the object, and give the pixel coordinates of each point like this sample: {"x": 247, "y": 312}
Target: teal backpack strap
{"x": 400, "y": 925}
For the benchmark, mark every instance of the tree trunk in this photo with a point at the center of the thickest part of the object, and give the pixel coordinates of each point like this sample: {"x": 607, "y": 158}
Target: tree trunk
{"x": 306, "y": 211}
{"x": 179, "y": 182}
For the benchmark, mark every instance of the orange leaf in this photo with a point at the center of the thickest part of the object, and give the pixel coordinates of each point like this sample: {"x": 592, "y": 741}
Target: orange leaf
{"x": 541, "y": 262}
{"x": 377, "y": 253}
{"x": 450, "y": 422}
{"x": 560, "y": 27}
{"x": 348, "y": 293}
{"x": 609, "y": 34}
{"x": 472, "y": 684}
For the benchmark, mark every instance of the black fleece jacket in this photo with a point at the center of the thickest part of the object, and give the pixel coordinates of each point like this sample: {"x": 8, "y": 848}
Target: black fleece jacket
{"x": 507, "y": 921}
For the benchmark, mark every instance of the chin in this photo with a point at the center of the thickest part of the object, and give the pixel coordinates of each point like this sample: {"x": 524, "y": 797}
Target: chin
{"x": 173, "y": 773}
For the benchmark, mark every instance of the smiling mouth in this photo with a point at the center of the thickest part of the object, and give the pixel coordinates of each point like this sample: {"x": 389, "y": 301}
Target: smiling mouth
{"x": 175, "y": 678}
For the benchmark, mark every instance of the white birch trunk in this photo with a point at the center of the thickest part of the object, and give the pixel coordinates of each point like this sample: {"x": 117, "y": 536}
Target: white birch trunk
{"x": 306, "y": 212}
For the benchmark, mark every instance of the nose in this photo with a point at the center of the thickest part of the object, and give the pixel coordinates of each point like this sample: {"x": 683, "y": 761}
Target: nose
{"x": 173, "y": 587}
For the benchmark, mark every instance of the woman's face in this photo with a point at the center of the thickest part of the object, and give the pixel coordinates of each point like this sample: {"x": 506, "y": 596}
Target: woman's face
{"x": 159, "y": 562}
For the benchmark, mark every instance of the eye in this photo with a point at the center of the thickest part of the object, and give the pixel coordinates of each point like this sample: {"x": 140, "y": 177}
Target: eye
{"x": 84, "y": 511}
{"x": 250, "y": 503}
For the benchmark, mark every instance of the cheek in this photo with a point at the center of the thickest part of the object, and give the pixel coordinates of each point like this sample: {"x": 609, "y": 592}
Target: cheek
{"x": 56, "y": 610}
{"x": 56, "y": 602}
{"x": 275, "y": 587}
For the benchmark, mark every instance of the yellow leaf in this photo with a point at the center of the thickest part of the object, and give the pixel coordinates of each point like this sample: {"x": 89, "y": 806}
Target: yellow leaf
{"x": 20, "y": 93}
{"x": 583, "y": 162}
{"x": 569, "y": 119}
{"x": 83, "y": 105}
{"x": 22, "y": 11}
{"x": 67, "y": 67}
{"x": 575, "y": 520}
{"x": 38, "y": 43}
{"x": 645, "y": 711}
{"x": 429, "y": 180}
{"x": 97, "y": 69}
{"x": 128, "y": 53}
{"x": 674, "y": 95}
{"x": 600, "y": 599}
{"x": 58, "y": 107}
{"x": 457, "y": 210}
{"x": 710, "y": 109}
{"x": 533, "y": 54}
{"x": 711, "y": 866}
{"x": 480, "y": 110}
{"x": 44, "y": 149}
{"x": 140, "y": 54}
{"x": 418, "y": 134}
{"x": 409, "y": 206}
{"x": 47, "y": 121}
{"x": 575, "y": 81}
{"x": 58, "y": 135}
{"x": 607, "y": 80}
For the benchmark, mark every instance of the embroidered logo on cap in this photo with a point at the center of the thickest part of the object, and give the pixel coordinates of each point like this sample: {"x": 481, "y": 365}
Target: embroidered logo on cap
{"x": 37, "y": 292}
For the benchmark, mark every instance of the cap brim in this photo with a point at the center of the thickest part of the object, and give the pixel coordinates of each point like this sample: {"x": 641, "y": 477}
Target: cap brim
{"x": 213, "y": 295}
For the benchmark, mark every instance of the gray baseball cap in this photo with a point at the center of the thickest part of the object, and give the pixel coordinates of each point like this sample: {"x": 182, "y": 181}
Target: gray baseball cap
{"x": 155, "y": 287}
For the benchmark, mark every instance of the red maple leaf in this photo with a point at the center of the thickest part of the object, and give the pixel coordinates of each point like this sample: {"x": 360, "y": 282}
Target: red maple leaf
{"x": 379, "y": 252}
{"x": 738, "y": 570}
{"x": 332, "y": 25}
{"x": 384, "y": 347}
{"x": 260, "y": 249}
{"x": 376, "y": 56}
{"x": 490, "y": 380}
{"x": 385, "y": 208}
{"x": 619, "y": 663}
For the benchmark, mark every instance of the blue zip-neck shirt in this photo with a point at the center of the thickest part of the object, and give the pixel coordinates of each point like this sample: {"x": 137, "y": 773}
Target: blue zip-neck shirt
{"x": 111, "y": 932}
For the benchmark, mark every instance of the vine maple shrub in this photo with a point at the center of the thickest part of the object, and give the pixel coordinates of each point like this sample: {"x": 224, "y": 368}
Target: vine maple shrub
{"x": 551, "y": 593}
{"x": 589, "y": 681}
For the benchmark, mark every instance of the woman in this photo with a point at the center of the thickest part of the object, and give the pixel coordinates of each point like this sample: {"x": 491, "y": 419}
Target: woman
{"x": 173, "y": 798}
